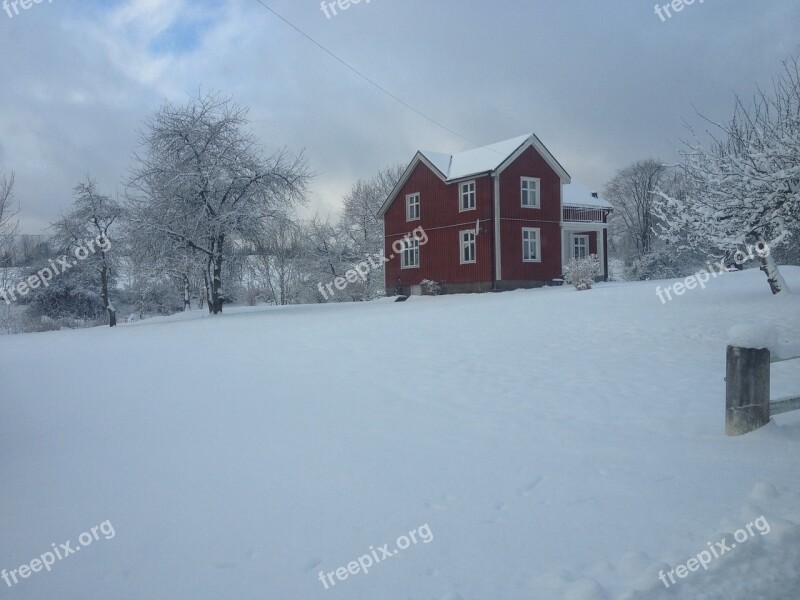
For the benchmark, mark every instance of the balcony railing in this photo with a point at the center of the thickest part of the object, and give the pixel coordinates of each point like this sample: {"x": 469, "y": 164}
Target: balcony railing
{"x": 574, "y": 214}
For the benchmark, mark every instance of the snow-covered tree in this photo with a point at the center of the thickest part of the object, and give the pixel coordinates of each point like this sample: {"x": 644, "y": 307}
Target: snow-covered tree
{"x": 326, "y": 252}
{"x": 363, "y": 228}
{"x": 276, "y": 261}
{"x": 744, "y": 187}
{"x": 202, "y": 184}
{"x": 91, "y": 218}
{"x": 161, "y": 279}
{"x": 73, "y": 293}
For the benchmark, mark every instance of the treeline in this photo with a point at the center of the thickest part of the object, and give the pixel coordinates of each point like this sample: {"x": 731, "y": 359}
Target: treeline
{"x": 205, "y": 218}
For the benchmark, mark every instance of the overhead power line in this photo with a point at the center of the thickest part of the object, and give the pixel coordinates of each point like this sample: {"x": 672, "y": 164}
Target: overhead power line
{"x": 363, "y": 76}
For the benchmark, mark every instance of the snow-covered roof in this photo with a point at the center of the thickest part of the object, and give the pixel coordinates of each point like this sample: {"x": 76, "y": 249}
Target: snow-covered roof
{"x": 478, "y": 160}
{"x": 486, "y": 159}
{"x": 577, "y": 194}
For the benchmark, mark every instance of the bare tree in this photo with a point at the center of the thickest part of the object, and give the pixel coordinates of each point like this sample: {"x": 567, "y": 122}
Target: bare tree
{"x": 8, "y": 212}
{"x": 204, "y": 186}
{"x": 8, "y": 228}
{"x": 631, "y": 191}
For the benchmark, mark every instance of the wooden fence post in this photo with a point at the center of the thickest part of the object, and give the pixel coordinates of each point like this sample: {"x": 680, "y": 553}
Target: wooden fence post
{"x": 747, "y": 390}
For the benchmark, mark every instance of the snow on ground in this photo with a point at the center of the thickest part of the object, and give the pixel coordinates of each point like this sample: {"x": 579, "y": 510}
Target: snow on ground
{"x": 557, "y": 445}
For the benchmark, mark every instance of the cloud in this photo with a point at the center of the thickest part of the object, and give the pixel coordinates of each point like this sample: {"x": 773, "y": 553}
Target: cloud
{"x": 602, "y": 84}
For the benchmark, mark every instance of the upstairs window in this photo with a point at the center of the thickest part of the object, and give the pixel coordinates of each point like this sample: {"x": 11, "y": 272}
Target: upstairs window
{"x": 467, "y": 246}
{"x": 412, "y": 207}
{"x": 467, "y": 194}
{"x": 531, "y": 192}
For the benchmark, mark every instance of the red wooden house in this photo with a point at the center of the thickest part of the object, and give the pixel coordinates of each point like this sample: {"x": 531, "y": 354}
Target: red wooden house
{"x": 500, "y": 217}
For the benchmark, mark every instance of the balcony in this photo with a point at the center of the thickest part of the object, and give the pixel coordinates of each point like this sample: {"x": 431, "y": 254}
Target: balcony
{"x": 579, "y": 214}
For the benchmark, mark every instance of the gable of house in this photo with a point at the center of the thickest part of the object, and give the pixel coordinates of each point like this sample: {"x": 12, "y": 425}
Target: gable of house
{"x": 487, "y": 160}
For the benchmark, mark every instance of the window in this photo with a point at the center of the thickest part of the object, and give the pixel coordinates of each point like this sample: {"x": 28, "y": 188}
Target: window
{"x": 580, "y": 246}
{"x": 410, "y": 256}
{"x": 530, "y": 192}
{"x": 467, "y": 196}
{"x": 467, "y": 246}
{"x": 412, "y": 207}
{"x": 531, "y": 245}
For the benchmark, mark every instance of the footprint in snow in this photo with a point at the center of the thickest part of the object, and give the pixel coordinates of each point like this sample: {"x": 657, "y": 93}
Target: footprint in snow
{"x": 313, "y": 564}
{"x": 528, "y": 490}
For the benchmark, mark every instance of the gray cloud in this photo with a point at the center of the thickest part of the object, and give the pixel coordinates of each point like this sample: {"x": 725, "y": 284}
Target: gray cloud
{"x": 601, "y": 83}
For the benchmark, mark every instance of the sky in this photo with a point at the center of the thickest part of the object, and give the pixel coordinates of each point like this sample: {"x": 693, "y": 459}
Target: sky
{"x": 603, "y": 84}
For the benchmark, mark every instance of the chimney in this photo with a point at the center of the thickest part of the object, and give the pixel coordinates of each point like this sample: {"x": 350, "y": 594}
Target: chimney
{"x": 594, "y": 195}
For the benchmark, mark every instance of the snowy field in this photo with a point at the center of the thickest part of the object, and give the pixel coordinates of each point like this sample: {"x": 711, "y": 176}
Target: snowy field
{"x": 558, "y": 445}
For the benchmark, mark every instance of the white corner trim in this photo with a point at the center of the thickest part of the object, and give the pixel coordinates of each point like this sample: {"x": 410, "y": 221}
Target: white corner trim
{"x": 497, "y": 245}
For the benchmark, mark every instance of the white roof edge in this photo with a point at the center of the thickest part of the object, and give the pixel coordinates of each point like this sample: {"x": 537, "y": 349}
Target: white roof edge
{"x": 534, "y": 141}
{"x": 419, "y": 157}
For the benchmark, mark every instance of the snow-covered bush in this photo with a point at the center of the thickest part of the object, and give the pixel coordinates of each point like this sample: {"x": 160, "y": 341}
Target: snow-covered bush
{"x": 581, "y": 272}
{"x": 430, "y": 288}
{"x": 669, "y": 262}
{"x": 73, "y": 293}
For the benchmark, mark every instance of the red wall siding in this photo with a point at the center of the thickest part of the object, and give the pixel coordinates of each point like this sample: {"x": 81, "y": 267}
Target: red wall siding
{"x": 513, "y": 267}
{"x": 442, "y": 222}
{"x": 514, "y": 217}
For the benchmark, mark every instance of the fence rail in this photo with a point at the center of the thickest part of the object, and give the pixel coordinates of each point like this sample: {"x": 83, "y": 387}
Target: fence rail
{"x": 747, "y": 390}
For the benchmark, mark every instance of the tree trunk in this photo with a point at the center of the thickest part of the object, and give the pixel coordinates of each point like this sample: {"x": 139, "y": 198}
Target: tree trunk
{"x": 186, "y": 299}
{"x": 112, "y": 312}
{"x": 776, "y": 282}
{"x": 216, "y": 284}
{"x": 207, "y": 286}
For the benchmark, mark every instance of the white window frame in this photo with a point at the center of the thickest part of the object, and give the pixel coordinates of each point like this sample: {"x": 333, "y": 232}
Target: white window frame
{"x": 468, "y": 238}
{"x": 471, "y": 193}
{"x": 582, "y": 237}
{"x": 409, "y": 257}
{"x": 526, "y": 244}
{"x": 525, "y": 191}
{"x": 413, "y": 201}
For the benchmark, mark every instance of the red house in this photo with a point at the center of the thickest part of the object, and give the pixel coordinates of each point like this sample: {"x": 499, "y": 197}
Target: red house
{"x": 501, "y": 217}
